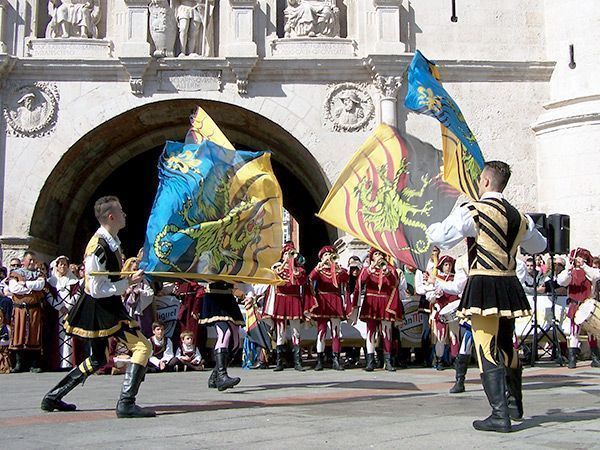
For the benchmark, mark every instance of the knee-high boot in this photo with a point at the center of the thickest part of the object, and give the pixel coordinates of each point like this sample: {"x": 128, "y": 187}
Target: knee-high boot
{"x": 319, "y": 364}
{"x": 223, "y": 380}
{"x": 280, "y": 355}
{"x": 53, "y": 399}
{"x": 514, "y": 383}
{"x": 460, "y": 364}
{"x": 336, "y": 363}
{"x": 19, "y": 362}
{"x": 494, "y": 385}
{"x": 126, "y": 407}
{"x": 387, "y": 358}
{"x": 212, "y": 380}
{"x": 595, "y": 357}
{"x": 370, "y": 360}
{"x": 297, "y": 358}
{"x": 572, "y": 357}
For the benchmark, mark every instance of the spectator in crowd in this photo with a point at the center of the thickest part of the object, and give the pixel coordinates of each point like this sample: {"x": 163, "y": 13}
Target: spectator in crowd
{"x": 119, "y": 356}
{"x": 533, "y": 280}
{"x": 162, "y": 359}
{"x": 26, "y": 285}
{"x": 64, "y": 292}
{"x": 138, "y": 299}
{"x": 550, "y": 280}
{"x": 188, "y": 355}
{"x": 4, "y": 343}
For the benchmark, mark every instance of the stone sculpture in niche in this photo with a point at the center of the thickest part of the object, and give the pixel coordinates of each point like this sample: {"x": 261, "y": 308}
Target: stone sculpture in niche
{"x": 311, "y": 18}
{"x": 163, "y": 28}
{"x": 73, "y": 18}
{"x": 195, "y": 26}
{"x": 33, "y": 110}
{"x": 348, "y": 107}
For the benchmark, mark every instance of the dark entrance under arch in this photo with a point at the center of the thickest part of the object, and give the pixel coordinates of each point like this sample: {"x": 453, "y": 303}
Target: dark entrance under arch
{"x": 127, "y": 168}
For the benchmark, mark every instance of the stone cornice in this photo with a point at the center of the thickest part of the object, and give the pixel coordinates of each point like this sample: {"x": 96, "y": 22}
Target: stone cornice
{"x": 293, "y": 70}
{"x": 29, "y": 242}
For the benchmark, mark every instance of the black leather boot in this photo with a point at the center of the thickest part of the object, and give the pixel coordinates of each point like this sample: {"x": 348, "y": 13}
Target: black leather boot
{"x": 460, "y": 364}
{"x": 319, "y": 364}
{"x": 126, "y": 407}
{"x": 514, "y": 382}
{"x": 387, "y": 358}
{"x": 370, "y": 360}
{"x": 595, "y": 356}
{"x": 336, "y": 364}
{"x": 53, "y": 399}
{"x": 572, "y": 352}
{"x": 279, "y": 361}
{"x": 212, "y": 380}
{"x": 494, "y": 385}
{"x": 34, "y": 362}
{"x": 19, "y": 363}
{"x": 297, "y": 358}
{"x": 223, "y": 380}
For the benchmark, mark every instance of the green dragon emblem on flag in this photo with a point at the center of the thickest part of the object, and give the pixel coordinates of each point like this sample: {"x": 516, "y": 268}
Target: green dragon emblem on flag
{"x": 385, "y": 207}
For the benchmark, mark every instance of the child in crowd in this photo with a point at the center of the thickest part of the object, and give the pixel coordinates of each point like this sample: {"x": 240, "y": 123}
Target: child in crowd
{"x": 4, "y": 342}
{"x": 162, "y": 359}
{"x": 119, "y": 356}
{"x": 188, "y": 355}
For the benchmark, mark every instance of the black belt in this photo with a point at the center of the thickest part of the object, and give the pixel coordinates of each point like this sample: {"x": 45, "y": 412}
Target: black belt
{"x": 27, "y": 305}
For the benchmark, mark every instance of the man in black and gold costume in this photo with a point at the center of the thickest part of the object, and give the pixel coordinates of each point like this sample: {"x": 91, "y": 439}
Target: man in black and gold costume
{"x": 99, "y": 314}
{"x": 493, "y": 296}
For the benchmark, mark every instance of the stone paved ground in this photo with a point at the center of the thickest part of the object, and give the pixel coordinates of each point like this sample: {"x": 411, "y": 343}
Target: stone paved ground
{"x": 351, "y": 409}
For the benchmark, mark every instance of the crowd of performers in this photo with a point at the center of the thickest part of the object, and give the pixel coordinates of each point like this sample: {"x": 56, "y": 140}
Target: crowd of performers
{"x": 109, "y": 314}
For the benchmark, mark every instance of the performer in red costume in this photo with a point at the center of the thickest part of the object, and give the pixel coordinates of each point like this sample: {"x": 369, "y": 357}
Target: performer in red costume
{"x": 579, "y": 284}
{"x": 330, "y": 302}
{"x": 381, "y": 305}
{"x": 287, "y": 304}
{"x": 439, "y": 299}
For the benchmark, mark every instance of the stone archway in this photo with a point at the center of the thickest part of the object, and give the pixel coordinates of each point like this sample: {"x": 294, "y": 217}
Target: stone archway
{"x": 63, "y": 212}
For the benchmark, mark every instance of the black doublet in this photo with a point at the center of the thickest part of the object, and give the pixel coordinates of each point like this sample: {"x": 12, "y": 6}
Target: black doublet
{"x": 93, "y": 318}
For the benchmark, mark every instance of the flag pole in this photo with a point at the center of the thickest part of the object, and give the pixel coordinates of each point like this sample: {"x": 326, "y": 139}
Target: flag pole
{"x": 195, "y": 276}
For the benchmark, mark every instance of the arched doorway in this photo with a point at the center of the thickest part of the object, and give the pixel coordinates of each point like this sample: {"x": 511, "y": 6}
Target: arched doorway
{"x": 119, "y": 157}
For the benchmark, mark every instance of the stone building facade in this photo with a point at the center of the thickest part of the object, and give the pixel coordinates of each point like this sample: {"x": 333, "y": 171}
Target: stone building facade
{"x": 91, "y": 89}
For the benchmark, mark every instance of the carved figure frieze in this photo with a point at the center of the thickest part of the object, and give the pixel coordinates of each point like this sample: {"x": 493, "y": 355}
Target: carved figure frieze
{"x": 73, "y": 18}
{"x": 348, "y": 107}
{"x": 311, "y": 18}
{"x": 32, "y": 110}
{"x": 195, "y": 26}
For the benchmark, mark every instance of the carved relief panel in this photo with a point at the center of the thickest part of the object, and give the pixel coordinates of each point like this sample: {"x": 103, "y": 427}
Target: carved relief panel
{"x": 32, "y": 110}
{"x": 348, "y": 107}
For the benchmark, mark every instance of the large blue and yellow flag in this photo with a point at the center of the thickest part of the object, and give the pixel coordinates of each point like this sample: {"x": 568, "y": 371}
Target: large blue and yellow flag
{"x": 217, "y": 215}
{"x": 463, "y": 160}
{"x": 385, "y": 195}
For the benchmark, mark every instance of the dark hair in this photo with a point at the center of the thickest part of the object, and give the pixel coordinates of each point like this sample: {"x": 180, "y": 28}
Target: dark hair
{"x": 530, "y": 259}
{"x": 157, "y": 324}
{"x": 500, "y": 174}
{"x": 103, "y": 206}
{"x": 28, "y": 253}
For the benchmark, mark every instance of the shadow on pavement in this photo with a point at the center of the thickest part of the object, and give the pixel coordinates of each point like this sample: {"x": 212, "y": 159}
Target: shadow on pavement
{"x": 356, "y": 384}
{"x": 558, "y": 415}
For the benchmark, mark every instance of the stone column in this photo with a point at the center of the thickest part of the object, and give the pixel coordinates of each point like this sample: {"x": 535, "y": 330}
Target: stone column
{"x": 3, "y": 6}
{"x": 388, "y": 88}
{"x": 387, "y": 23}
{"x": 134, "y": 51}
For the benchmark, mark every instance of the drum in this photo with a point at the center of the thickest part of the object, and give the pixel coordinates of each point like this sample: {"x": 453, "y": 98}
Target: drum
{"x": 448, "y": 312}
{"x": 588, "y": 316}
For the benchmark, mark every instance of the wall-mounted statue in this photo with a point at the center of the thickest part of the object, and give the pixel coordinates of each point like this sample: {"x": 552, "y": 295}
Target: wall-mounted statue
{"x": 311, "y": 18}
{"x": 195, "y": 25}
{"x": 163, "y": 28}
{"x": 73, "y": 18}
